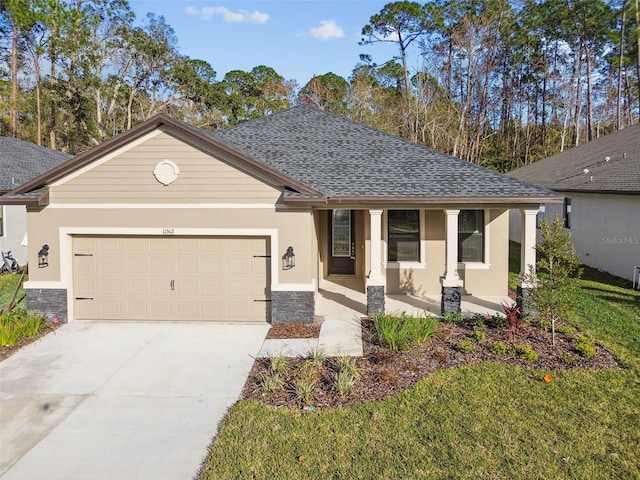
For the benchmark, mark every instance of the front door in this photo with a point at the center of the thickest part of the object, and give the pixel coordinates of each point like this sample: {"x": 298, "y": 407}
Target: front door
{"x": 342, "y": 242}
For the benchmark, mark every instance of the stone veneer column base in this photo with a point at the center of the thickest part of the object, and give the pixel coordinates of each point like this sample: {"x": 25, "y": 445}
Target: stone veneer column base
{"x": 521, "y": 300}
{"x": 292, "y": 307}
{"x": 375, "y": 299}
{"x": 451, "y": 299}
{"x": 50, "y": 302}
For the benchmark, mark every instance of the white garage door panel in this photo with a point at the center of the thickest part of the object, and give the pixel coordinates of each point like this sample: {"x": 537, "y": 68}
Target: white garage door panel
{"x": 175, "y": 278}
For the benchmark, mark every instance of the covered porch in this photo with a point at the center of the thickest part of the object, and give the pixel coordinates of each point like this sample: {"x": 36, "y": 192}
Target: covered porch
{"x": 417, "y": 258}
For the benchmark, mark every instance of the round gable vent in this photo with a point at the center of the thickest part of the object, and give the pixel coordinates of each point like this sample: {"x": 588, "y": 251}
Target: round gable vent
{"x": 166, "y": 172}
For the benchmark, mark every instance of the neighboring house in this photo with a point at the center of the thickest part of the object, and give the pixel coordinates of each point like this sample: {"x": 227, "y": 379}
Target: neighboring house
{"x": 20, "y": 162}
{"x": 600, "y": 181}
{"x": 167, "y": 221}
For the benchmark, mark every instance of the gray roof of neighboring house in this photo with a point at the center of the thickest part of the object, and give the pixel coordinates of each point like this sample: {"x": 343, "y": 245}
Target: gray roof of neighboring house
{"x": 21, "y": 161}
{"x": 338, "y": 157}
{"x": 586, "y": 168}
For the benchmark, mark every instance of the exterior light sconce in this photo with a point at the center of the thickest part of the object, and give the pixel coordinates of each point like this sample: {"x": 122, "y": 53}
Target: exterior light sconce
{"x": 43, "y": 256}
{"x": 289, "y": 259}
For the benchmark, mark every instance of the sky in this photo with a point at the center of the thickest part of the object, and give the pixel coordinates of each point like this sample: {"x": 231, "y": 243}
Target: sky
{"x": 297, "y": 38}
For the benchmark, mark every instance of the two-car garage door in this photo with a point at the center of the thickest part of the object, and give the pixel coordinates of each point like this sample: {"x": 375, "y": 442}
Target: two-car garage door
{"x": 171, "y": 278}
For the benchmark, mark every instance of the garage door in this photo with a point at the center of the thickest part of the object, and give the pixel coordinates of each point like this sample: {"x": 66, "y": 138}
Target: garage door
{"x": 171, "y": 278}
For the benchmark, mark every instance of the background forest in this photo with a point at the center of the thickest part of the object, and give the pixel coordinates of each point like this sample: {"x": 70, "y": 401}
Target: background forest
{"x": 496, "y": 82}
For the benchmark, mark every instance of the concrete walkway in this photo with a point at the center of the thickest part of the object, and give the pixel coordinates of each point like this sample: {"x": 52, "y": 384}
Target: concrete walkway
{"x": 120, "y": 400}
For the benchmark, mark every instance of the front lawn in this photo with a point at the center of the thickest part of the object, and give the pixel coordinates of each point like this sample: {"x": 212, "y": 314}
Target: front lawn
{"x": 490, "y": 421}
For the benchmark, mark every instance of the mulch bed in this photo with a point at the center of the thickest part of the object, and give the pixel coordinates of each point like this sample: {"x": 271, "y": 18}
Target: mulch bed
{"x": 6, "y": 350}
{"x": 296, "y": 330}
{"x": 382, "y": 372}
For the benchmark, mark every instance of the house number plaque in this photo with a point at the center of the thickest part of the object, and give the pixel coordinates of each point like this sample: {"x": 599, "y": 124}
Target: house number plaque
{"x": 168, "y": 231}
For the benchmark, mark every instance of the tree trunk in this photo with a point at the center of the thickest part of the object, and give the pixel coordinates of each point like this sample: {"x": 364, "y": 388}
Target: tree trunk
{"x": 638, "y": 51}
{"x": 589, "y": 94}
{"x": 14, "y": 81}
{"x": 619, "y": 124}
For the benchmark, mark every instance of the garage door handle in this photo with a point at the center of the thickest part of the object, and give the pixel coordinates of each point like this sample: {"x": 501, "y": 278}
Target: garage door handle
{"x": 172, "y": 284}
{"x": 269, "y": 301}
{"x": 84, "y": 298}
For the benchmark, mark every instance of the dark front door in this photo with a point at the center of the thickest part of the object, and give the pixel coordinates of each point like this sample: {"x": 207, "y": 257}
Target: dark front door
{"x": 342, "y": 242}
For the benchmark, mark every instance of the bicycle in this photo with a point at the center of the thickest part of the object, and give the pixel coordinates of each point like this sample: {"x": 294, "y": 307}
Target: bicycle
{"x": 9, "y": 264}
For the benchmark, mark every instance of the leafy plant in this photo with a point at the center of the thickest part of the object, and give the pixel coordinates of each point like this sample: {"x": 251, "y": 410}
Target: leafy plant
{"x": 317, "y": 356}
{"x": 526, "y": 352}
{"x": 397, "y": 332}
{"x": 585, "y": 345}
{"x": 303, "y": 389}
{"x": 566, "y": 330}
{"x": 479, "y": 320}
{"x": 555, "y": 283}
{"x": 279, "y": 364}
{"x": 344, "y": 382}
{"x": 513, "y": 316}
{"x": 465, "y": 346}
{"x": 348, "y": 364}
{"x": 452, "y": 317}
{"x": 566, "y": 358}
{"x": 499, "y": 348}
{"x": 271, "y": 383}
{"x": 478, "y": 335}
{"x": 17, "y": 324}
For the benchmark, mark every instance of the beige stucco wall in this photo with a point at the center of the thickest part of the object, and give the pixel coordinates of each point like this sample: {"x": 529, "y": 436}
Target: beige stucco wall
{"x": 605, "y": 230}
{"x": 212, "y": 195}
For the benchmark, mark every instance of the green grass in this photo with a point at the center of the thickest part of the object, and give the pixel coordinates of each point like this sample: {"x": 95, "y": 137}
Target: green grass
{"x": 487, "y": 421}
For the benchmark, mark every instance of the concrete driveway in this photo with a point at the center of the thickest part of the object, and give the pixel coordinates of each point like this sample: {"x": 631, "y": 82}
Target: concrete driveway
{"x": 120, "y": 400}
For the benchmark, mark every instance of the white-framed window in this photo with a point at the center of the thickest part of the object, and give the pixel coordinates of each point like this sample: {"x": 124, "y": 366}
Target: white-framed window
{"x": 404, "y": 236}
{"x": 471, "y": 236}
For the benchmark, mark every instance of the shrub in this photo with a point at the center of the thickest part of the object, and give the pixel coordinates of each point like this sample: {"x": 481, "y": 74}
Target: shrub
{"x": 585, "y": 345}
{"x": 16, "y": 324}
{"x": 566, "y": 358}
{"x": 303, "y": 390}
{"x": 348, "y": 364}
{"x": 499, "y": 348}
{"x": 526, "y": 352}
{"x": 344, "y": 382}
{"x": 479, "y": 321}
{"x": 465, "y": 346}
{"x": 478, "y": 335}
{"x": 271, "y": 383}
{"x": 566, "y": 330}
{"x": 452, "y": 317}
{"x": 397, "y": 332}
{"x": 513, "y": 316}
{"x": 317, "y": 357}
{"x": 279, "y": 364}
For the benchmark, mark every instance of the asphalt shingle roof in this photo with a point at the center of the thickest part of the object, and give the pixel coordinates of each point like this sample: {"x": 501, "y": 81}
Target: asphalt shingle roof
{"x": 586, "y": 168}
{"x": 21, "y": 161}
{"x": 338, "y": 157}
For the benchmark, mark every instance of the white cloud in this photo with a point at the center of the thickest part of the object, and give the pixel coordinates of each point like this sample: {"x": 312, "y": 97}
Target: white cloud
{"x": 327, "y": 30}
{"x": 240, "y": 16}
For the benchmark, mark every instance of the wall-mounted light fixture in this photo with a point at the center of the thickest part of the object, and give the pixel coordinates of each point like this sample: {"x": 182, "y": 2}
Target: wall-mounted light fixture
{"x": 289, "y": 259}
{"x": 43, "y": 256}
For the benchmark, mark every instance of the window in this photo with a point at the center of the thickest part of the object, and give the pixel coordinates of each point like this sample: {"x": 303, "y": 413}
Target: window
{"x": 1, "y": 220}
{"x": 567, "y": 213}
{"x": 471, "y": 236}
{"x": 540, "y": 215}
{"x": 404, "y": 235}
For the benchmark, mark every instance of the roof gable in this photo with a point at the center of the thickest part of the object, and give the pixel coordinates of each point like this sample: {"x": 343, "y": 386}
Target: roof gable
{"x": 609, "y": 164}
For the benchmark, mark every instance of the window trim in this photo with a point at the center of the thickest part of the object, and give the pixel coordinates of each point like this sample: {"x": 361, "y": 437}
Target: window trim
{"x": 3, "y": 225}
{"x": 486, "y": 243}
{"x": 567, "y": 210}
{"x": 404, "y": 264}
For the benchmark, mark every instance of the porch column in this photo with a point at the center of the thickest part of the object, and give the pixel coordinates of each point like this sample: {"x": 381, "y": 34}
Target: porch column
{"x": 527, "y": 253}
{"x": 375, "y": 280}
{"x": 451, "y": 283}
